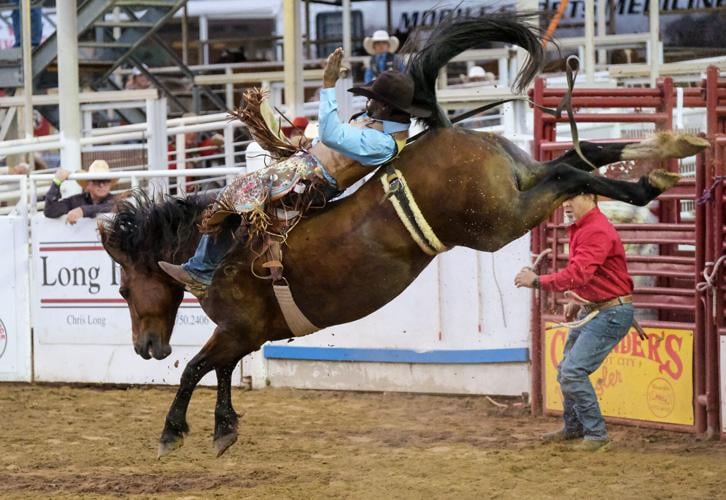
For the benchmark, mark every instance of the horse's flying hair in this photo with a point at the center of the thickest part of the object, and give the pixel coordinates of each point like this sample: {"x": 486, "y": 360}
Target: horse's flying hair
{"x": 455, "y": 35}
{"x": 148, "y": 230}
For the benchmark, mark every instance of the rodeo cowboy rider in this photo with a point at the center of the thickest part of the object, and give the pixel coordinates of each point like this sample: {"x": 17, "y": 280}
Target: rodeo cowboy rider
{"x": 596, "y": 272}
{"x": 342, "y": 154}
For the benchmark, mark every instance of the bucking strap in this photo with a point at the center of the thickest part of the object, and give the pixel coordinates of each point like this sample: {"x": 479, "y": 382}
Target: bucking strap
{"x": 397, "y": 192}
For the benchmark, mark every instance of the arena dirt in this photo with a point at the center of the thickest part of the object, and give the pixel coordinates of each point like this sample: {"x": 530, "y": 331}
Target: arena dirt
{"x": 71, "y": 442}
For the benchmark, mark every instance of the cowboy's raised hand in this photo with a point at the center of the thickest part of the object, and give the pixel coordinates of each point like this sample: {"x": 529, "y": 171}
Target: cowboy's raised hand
{"x": 332, "y": 68}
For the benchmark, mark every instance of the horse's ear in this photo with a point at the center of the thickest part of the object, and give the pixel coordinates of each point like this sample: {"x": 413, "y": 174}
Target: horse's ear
{"x": 114, "y": 252}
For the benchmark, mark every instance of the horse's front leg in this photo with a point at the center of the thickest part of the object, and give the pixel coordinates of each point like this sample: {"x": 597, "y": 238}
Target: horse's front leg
{"x": 175, "y": 425}
{"x": 225, "y": 418}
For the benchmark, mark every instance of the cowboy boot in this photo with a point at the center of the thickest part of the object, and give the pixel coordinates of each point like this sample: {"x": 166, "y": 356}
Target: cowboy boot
{"x": 590, "y": 445}
{"x": 560, "y": 435}
{"x": 197, "y": 288}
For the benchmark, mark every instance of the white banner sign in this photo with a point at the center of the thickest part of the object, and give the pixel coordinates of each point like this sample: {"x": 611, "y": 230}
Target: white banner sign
{"x": 79, "y": 315}
{"x": 15, "y": 344}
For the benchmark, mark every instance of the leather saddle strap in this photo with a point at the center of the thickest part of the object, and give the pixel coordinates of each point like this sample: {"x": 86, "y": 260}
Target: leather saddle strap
{"x": 398, "y": 193}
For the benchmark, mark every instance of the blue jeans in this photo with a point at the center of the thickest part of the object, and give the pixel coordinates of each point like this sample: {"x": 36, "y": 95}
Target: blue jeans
{"x": 36, "y": 25}
{"x": 210, "y": 252}
{"x": 585, "y": 350}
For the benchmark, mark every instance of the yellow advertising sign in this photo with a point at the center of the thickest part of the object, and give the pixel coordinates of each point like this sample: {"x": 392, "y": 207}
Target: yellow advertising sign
{"x": 648, "y": 380}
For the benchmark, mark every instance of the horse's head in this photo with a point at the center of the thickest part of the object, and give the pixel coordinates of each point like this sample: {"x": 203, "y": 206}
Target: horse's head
{"x": 142, "y": 233}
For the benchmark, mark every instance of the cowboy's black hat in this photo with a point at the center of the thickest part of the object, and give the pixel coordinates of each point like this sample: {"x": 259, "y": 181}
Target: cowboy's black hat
{"x": 393, "y": 88}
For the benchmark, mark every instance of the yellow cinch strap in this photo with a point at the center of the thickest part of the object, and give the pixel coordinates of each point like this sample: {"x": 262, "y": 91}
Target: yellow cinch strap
{"x": 396, "y": 189}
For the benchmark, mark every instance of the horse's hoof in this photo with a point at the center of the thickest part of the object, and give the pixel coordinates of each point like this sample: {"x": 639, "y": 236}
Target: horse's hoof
{"x": 222, "y": 443}
{"x": 664, "y": 146}
{"x": 690, "y": 144}
{"x": 167, "y": 446}
{"x": 662, "y": 180}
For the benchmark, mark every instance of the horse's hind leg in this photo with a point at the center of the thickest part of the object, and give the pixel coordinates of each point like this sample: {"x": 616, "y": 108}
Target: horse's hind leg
{"x": 660, "y": 147}
{"x": 563, "y": 182}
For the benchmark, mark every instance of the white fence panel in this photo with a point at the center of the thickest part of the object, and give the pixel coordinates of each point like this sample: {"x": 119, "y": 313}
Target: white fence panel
{"x": 82, "y": 325}
{"x": 15, "y": 338}
{"x": 461, "y": 327}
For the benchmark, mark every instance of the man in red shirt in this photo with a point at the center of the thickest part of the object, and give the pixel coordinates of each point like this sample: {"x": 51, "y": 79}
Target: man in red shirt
{"x": 596, "y": 272}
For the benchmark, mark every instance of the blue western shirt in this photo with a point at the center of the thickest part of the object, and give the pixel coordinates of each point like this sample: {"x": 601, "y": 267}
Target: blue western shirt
{"x": 367, "y": 146}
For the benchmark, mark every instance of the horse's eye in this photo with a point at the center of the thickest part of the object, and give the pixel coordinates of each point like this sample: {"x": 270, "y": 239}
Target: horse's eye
{"x": 124, "y": 293}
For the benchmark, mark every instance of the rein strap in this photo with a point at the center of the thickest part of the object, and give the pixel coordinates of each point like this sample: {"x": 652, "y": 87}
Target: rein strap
{"x": 397, "y": 192}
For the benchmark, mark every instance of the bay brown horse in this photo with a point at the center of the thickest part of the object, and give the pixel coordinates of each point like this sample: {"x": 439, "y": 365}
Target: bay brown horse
{"x": 354, "y": 256}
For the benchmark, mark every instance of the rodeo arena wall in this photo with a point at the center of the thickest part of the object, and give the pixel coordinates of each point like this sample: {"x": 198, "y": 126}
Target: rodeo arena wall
{"x": 461, "y": 327}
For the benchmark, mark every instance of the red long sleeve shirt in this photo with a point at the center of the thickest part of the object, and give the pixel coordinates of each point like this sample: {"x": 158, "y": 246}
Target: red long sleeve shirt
{"x": 596, "y": 270}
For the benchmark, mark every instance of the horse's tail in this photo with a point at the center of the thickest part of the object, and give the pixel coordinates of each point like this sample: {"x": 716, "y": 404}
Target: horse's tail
{"x": 454, "y": 36}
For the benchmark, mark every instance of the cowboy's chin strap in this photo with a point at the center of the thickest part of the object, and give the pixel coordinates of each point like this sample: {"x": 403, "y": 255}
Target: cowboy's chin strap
{"x": 397, "y": 192}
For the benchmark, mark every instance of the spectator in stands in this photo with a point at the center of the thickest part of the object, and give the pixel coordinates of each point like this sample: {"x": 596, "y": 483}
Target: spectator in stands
{"x": 598, "y": 280}
{"x": 196, "y": 145}
{"x": 477, "y": 74}
{"x": 295, "y": 133}
{"x": 96, "y": 197}
{"x": 36, "y": 25}
{"x": 381, "y": 48}
{"x": 137, "y": 80}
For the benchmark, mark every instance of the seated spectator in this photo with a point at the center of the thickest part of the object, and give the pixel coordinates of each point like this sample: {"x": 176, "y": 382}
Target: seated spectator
{"x": 96, "y": 197}
{"x": 137, "y": 80}
{"x": 478, "y": 75}
{"x": 295, "y": 133}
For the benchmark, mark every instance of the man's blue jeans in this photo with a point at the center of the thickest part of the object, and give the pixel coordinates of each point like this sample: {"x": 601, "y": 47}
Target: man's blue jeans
{"x": 36, "y": 25}
{"x": 210, "y": 252}
{"x": 585, "y": 350}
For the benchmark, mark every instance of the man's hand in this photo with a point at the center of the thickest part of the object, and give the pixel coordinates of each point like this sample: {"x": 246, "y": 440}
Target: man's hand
{"x": 332, "y": 68}
{"x": 571, "y": 310}
{"x": 73, "y": 216}
{"x": 525, "y": 277}
{"x": 62, "y": 174}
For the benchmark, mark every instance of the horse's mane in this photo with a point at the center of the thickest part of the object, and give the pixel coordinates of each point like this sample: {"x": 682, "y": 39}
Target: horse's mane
{"x": 453, "y": 36}
{"x": 148, "y": 230}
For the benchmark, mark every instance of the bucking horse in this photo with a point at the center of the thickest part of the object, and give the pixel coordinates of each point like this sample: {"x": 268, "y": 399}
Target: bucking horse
{"x": 353, "y": 256}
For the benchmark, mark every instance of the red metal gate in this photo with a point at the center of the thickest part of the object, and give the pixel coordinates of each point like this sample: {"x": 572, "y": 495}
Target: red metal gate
{"x": 685, "y": 245}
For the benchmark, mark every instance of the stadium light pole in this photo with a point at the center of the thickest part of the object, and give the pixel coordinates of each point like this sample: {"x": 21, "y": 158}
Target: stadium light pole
{"x": 70, "y": 111}
{"x": 590, "y": 41}
{"x": 654, "y": 42}
{"x": 27, "y": 76}
{"x": 292, "y": 54}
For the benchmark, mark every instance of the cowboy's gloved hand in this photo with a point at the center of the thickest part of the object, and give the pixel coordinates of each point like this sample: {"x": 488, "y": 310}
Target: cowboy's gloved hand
{"x": 526, "y": 277}
{"x": 62, "y": 174}
{"x": 332, "y": 68}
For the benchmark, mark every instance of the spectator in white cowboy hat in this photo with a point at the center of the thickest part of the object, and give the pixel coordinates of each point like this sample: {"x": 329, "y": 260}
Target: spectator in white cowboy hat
{"x": 138, "y": 80}
{"x": 96, "y": 197}
{"x": 477, "y": 74}
{"x": 382, "y": 49}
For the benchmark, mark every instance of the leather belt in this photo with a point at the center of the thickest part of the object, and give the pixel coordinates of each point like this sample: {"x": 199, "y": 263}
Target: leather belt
{"x": 617, "y": 301}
